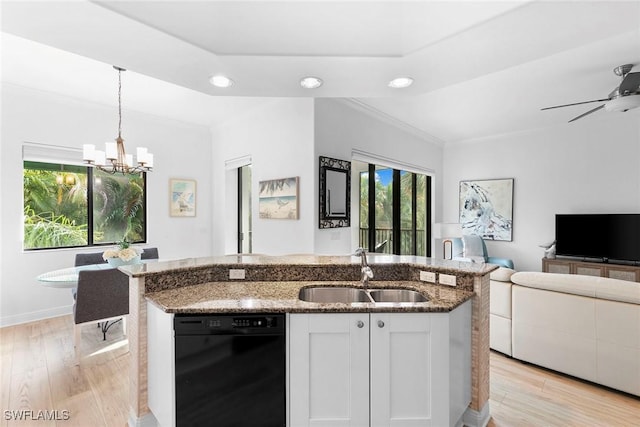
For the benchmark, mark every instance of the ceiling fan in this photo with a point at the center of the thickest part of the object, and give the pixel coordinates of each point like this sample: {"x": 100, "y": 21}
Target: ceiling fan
{"x": 623, "y": 98}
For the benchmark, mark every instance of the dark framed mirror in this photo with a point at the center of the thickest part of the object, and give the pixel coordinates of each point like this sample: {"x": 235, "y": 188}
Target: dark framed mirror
{"x": 335, "y": 193}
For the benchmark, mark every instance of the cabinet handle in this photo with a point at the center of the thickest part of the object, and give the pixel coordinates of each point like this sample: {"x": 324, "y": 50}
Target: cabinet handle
{"x": 380, "y": 324}
{"x": 360, "y": 324}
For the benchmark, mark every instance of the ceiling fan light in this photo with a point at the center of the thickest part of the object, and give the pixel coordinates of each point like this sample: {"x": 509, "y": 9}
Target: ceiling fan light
{"x": 221, "y": 81}
{"x": 623, "y": 103}
{"x": 311, "y": 82}
{"x": 401, "y": 82}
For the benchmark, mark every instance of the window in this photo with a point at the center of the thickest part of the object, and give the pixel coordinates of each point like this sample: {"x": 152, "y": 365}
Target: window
{"x": 61, "y": 208}
{"x": 394, "y": 211}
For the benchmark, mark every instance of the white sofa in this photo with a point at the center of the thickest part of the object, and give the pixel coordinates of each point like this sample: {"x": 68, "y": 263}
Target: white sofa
{"x": 500, "y": 310}
{"x": 584, "y": 326}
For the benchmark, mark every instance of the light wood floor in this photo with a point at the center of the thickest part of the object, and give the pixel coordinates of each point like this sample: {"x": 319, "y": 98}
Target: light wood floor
{"x": 38, "y": 373}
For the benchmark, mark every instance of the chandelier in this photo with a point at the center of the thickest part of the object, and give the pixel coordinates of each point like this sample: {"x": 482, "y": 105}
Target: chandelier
{"x": 114, "y": 159}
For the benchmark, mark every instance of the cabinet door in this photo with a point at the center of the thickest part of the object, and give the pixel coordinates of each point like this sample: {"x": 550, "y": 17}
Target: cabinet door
{"x": 630, "y": 274}
{"x": 329, "y": 369}
{"x": 587, "y": 269}
{"x": 161, "y": 366}
{"x": 409, "y": 369}
{"x": 556, "y": 266}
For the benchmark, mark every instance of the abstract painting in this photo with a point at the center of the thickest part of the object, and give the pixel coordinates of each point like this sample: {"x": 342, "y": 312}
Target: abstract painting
{"x": 182, "y": 197}
{"x": 278, "y": 198}
{"x": 486, "y": 208}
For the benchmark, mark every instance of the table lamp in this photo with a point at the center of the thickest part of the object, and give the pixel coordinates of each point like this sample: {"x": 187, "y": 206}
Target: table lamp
{"x": 447, "y": 231}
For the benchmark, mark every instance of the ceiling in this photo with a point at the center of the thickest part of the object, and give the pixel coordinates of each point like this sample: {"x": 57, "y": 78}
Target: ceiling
{"x": 480, "y": 68}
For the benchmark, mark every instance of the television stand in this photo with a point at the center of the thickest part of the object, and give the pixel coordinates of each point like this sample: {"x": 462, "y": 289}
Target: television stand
{"x": 600, "y": 269}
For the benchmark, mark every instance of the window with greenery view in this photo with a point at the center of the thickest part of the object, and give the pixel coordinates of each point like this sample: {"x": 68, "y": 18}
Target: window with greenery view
{"x": 394, "y": 219}
{"x": 61, "y": 208}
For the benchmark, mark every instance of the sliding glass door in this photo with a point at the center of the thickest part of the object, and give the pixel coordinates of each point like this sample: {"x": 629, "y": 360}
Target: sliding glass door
{"x": 244, "y": 210}
{"x": 395, "y": 211}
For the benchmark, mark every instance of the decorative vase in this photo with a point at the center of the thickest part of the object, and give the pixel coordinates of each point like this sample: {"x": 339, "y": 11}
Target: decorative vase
{"x": 117, "y": 262}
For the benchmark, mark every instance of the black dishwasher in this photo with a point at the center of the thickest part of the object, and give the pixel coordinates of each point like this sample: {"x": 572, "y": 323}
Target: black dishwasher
{"x": 230, "y": 370}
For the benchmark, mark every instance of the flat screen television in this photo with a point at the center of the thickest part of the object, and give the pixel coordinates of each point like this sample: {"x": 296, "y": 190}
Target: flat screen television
{"x": 611, "y": 238}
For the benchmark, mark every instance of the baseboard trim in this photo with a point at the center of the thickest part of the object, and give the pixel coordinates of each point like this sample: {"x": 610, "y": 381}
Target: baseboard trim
{"x": 34, "y": 316}
{"x": 480, "y": 418}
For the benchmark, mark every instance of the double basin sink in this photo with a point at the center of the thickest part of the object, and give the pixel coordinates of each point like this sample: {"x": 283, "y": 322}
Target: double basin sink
{"x": 348, "y": 295}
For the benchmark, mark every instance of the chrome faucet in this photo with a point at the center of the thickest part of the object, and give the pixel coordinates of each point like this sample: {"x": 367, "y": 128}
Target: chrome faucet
{"x": 367, "y": 273}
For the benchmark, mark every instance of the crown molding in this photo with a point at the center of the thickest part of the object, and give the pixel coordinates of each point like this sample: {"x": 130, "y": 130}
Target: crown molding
{"x": 363, "y": 107}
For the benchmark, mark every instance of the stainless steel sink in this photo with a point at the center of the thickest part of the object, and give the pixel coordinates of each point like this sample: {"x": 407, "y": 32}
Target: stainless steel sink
{"x": 348, "y": 295}
{"x": 333, "y": 294}
{"x": 397, "y": 295}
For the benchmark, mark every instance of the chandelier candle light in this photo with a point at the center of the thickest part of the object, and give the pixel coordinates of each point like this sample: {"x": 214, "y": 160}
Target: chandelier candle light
{"x": 114, "y": 158}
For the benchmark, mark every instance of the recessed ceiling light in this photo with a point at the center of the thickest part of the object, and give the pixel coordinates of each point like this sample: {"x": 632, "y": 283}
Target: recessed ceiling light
{"x": 221, "y": 81}
{"x": 311, "y": 82}
{"x": 401, "y": 82}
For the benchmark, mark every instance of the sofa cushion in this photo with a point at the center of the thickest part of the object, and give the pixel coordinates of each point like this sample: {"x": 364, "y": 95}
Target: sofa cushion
{"x": 500, "y": 298}
{"x": 589, "y": 286}
{"x": 500, "y": 336}
{"x": 502, "y": 274}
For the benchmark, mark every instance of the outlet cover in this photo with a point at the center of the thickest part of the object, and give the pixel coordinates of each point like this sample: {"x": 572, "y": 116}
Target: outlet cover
{"x": 236, "y": 273}
{"x": 447, "y": 279}
{"x": 428, "y": 276}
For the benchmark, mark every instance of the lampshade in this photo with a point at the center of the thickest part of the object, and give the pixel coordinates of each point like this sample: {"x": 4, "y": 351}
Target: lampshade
{"x": 447, "y": 231}
{"x": 443, "y": 230}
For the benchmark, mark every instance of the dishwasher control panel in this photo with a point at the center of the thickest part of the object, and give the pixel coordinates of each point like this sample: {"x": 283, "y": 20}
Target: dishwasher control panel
{"x": 253, "y": 322}
{"x": 224, "y": 324}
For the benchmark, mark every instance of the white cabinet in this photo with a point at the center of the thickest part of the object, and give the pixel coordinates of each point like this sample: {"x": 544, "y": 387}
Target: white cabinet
{"x": 328, "y": 369}
{"x": 379, "y": 369}
{"x": 161, "y": 366}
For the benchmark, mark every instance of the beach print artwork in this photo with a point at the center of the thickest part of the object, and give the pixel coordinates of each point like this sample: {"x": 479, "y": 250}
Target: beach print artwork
{"x": 278, "y": 199}
{"x": 182, "y": 194}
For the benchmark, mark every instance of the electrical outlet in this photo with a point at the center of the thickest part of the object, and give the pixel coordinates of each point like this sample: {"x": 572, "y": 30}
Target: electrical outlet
{"x": 428, "y": 276}
{"x": 446, "y": 279}
{"x": 236, "y": 273}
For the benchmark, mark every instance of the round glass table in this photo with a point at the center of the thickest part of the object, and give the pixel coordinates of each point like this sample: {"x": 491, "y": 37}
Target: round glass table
{"x": 67, "y": 277}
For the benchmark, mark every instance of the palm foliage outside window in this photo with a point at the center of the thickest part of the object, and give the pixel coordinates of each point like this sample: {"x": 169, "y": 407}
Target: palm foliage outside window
{"x": 410, "y": 226}
{"x": 61, "y": 209}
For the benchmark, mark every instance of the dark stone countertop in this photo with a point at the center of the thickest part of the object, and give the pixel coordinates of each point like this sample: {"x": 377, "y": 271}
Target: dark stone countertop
{"x": 282, "y": 297}
{"x": 272, "y": 283}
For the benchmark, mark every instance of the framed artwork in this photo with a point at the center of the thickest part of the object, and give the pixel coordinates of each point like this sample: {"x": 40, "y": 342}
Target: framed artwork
{"x": 278, "y": 198}
{"x": 486, "y": 208}
{"x": 182, "y": 197}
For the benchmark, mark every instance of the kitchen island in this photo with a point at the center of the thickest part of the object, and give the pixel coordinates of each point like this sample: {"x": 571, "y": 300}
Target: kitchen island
{"x": 259, "y": 284}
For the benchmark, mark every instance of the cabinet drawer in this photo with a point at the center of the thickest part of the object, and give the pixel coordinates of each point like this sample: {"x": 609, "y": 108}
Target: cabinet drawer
{"x": 589, "y": 270}
{"x": 622, "y": 274}
{"x": 559, "y": 268}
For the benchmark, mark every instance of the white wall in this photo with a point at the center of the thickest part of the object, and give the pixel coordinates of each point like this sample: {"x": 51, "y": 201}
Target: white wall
{"x": 284, "y": 137}
{"x": 36, "y": 116}
{"x": 278, "y": 136}
{"x": 340, "y": 128}
{"x": 589, "y": 166}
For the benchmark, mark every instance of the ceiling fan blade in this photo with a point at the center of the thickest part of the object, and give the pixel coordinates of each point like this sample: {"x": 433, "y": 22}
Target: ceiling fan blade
{"x": 631, "y": 83}
{"x": 575, "y": 103}
{"x": 588, "y": 112}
